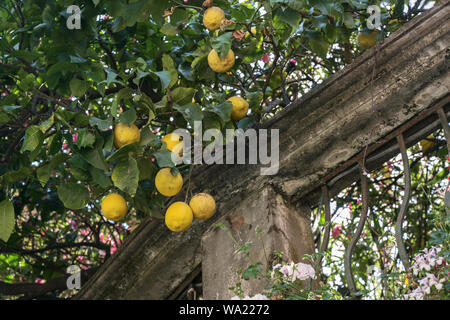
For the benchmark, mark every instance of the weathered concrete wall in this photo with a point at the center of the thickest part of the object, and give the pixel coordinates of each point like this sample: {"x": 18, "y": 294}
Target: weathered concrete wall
{"x": 317, "y": 133}
{"x": 282, "y": 227}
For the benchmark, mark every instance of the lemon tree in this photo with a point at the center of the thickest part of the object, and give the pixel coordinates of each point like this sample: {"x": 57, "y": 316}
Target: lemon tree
{"x": 88, "y": 112}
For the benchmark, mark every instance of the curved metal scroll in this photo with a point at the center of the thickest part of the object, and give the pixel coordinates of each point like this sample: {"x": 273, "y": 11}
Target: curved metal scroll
{"x": 444, "y": 123}
{"x": 404, "y": 207}
{"x": 325, "y": 202}
{"x": 362, "y": 220}
{"x": 326, "y": 233}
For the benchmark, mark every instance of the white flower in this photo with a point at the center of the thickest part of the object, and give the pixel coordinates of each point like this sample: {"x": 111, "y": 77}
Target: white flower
{"x": 287, "y": 270}
{"x": 304, "y": 271}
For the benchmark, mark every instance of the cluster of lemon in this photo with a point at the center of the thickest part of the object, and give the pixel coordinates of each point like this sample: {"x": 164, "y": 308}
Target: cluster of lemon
{"x": 179, "y": 215}
{"x": 212, "y": 19}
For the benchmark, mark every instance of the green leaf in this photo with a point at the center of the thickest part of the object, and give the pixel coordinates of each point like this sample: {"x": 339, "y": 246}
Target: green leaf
{"x": 128, "y": 117}
{"x": 100, "y": 123}
{"x": 289, "y": 16}
{"x": 157, "y": 10}
{"x": 33, "y": 139}
{"x": 317, "y": 44}
{"x": 16, "y": 175}
{"x": 191, "y": 112}
{"x": 7, "y": 219}
{"x": 55, "y": 143}
{"x": 85, "y": 138}
{"x": 123, "y": 152}
{"x": 165, "y": 78}
{"x": 348, "y": 20}
{"x": 164, "y": 158}
{"x": 74, "y": 196}
{"x": 10, "y": 109}
{"x": 4, "y": 118}
{"x": 399, "y": 9}
{"x": 169, "y": 66}
{"x": 327, "y": 7}
{"x": 146, "y": 169}
{"x": 169, "y": 30}
{"x": 100, "y": 177}
{"x": 125, "y": 176}
{"x": 223, "y": 110}
{"x": 147, "y": 136}
{"x": 78, "y": 87}
{"x": 182, "y": 96}
{"x": 95, "y": 157}
{"x": 222, "y": 44}
{"x": 43, "y": 173}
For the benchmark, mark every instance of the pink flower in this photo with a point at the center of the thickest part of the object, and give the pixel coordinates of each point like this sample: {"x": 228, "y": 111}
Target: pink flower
{"x": 64, "y": 146}
{"x": 75, "y": 137}
{"x": 292, "y": 61}
{"x": 337, "y": 230}
{"x": 26, "y": 125}
{"x": 266, "y": 58}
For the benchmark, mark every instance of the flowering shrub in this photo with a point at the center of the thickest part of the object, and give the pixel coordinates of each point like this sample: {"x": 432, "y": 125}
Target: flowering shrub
{"x": 292, "y": 272}
{"x": 431, "y": 267}
{"x": 285, "y": 281}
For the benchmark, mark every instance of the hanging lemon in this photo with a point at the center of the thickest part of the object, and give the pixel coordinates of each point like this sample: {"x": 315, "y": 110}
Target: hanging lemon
{"x": 221, "y": 65}
{"x": 179, "y": 216}
{"x": 213, "y": 18}
{"x": 114, "y": 207}
{"x": 168, "y": 184}
{"x": 203, "y": 206}
{"x": 126, "y": 134}
{"x": 240, "y": 108}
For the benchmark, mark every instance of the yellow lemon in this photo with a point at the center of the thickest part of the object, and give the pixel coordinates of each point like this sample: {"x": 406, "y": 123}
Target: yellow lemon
{"x": 167, "y": 184}
{"x": 221, "y": 65}
{"x": 179, "y": 216}
{"x": 252, "y": 30}
{"x": 240, "y": 108}
{"x": 427, "y": 144}
{"x": 173, "y": 143}
{"x": 126, "y": 134}
{"x": 213, "y": 18}
{"x": 367, "y": 41}
{"x": 203, "y": 206}
{"x": 114, "y": 207}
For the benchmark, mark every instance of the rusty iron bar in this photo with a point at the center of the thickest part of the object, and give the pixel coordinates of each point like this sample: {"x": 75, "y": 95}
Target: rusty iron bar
{"x": 404, "y": 207}
{"x": 326, "y": 233}
{"x": 444, "y": 123}
{"x": 362, "y": 220}
{"x": 324, "y": 203}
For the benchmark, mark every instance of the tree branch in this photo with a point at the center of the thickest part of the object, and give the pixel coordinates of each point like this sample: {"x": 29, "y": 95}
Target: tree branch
{"x": 33, "y": 290}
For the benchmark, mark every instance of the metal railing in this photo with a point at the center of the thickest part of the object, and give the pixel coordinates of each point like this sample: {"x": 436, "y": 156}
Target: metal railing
{"x": 347, "y": 169}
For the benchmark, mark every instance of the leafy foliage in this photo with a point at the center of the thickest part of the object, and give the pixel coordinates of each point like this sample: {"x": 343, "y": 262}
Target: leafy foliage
{"x": 144, "y": 62}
